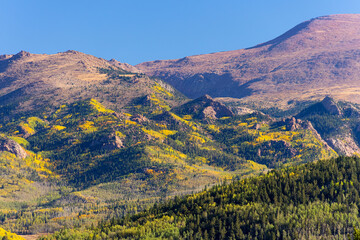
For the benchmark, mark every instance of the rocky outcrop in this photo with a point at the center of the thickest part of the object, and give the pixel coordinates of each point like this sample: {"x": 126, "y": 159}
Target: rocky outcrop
{"x": 309, "y": 126}
{"x": 243, "y": 111}
{"x": 11, "y": 146}
{"x": 344, "y": 145}
{"x": 20, "y": 55}
{"x": 108, "y": 143}
{"x": 344, "y": 128}
{"x": 330, "y": 106}
{"x": 139, "y": 118}
{"x": 208, "y": 112}
{"x": 293, "y": 124}
{"x": 114, "y": 142}
{"x": 204, "y": 108}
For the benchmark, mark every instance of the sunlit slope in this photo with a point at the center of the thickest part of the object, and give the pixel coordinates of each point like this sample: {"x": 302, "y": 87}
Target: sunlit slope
{"x": 315, "y": 58}
{"x": 29, "y": 82}
{"x": 315, "y": 201}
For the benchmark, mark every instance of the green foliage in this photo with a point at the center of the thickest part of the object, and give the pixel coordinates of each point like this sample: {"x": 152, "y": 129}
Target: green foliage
{"x": 356, "y": 234}
{"x": 89, "y": 162}
{"x": 313, "y": 201}
{"x": 5, "y": 235}
{"x": 119, "y": 74}
{"x": 326, "y": 124}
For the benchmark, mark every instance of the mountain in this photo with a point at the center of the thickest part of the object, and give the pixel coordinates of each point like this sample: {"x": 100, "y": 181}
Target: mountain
{"x": 30, "y": 82}
{"x": 316, "y": 58}
{"x": 84, "y": 139}
{"x": 81, "y": 162}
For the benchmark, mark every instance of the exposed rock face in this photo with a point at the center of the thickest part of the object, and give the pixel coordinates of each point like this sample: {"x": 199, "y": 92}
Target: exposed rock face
{"x": 108, "y": 143}
{"x": 243, "y": 111}
{"x": 293, "y": 124}
{"x": 330, "y": 105}
{"x": 114, "y": 143}
{"x": 205, "y": 108}
{"x": 309, "y": 126}
{"x": 139, "y": 118}
{"x": 209, "y": 112}
{"x": 11, "y": 146}
{"x": 344, "y": 145}
{"x": 344, "y": 139}
{"x": 306, "y": 63}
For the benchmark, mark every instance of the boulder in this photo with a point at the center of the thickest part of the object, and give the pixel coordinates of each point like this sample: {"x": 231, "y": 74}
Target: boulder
{"x": 9, "y": 145}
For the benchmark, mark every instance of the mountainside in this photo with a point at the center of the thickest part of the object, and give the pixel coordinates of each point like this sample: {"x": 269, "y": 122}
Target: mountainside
{"x": 84, "y": 139}
{"x": 80, "y": 162}
{"x": 312, "y": 201}
{"x": 314, "y": 59}
{"x": 337, "y": 123}
{"x": 30, "y": 82}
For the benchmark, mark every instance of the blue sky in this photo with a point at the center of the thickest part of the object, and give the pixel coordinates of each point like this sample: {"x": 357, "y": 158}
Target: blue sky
{"x": 135, "y": 31}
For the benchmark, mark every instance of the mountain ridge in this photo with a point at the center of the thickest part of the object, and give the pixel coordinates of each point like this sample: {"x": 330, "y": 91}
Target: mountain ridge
{"x": 321, "y": 59}
{"x": 103, "y": 139}
{"x": 29, "y": 81}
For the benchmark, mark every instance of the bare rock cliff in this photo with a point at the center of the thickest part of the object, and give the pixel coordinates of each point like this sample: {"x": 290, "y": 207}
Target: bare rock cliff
{"x": 11, "y": 146}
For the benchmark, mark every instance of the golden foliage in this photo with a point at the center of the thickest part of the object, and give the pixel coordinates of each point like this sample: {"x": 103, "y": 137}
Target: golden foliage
{"x": 98, "y": 107}
{"x": 9, "y": 235}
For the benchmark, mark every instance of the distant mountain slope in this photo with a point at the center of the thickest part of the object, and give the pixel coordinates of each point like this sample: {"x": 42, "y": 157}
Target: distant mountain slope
{"x": 31, "y": 81}
{"x": 315, "y": 58}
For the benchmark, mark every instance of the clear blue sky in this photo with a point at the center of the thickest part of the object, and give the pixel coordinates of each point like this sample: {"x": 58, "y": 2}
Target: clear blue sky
{"x": 135, "y": 31}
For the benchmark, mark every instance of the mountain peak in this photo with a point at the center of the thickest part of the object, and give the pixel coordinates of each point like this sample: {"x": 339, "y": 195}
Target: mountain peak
{"x": 206, "y": 97}
{"x": 73, "y": 52}
{"x": 330, "y": 105}
{"x": 42, "y": 79}
{"x": 21, "y": 54}
{"x": 303, "y": 63}
{"x": 205, "y": 108}
{"x": 332, "y": 29}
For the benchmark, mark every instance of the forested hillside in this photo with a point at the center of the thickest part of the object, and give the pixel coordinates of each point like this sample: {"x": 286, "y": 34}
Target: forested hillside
{"x": 312, "y": 201}
{"x": 105, "y": 140}
{"x": 83, "y": 162}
